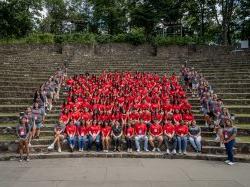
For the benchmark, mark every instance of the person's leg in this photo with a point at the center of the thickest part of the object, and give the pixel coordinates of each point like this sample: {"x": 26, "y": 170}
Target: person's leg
{"x": 103, "y": 143}
{"x": 151, "y": 142}
{"x": 26, "y": 146}
{"x": 192, "y": 142}
{"x": 118, "y": 143}
{"x": 21, "y": 149}
{"x": 90, "y": 138}
{"x": 98, "y": 142}
{"x": 85, "y": 142}
{"x": 137, "y": 142}
{"x": 184, "y": 145}
{"x": 160, "y": 140}
{"x": 166, "y": 142}
{"x": 107, "y": 140}
{"x": 145, "y": 138}
{"x": 179, "y": 144}
{"x": 80, "y": 142}
{"x": 174, "y": 144}
{"x": 230, "y": 146}
{"x": 198, "y": 143}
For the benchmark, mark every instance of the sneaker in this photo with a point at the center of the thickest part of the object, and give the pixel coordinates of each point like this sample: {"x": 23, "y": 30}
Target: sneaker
{"x": 185, "y": 152}
{"x": 168, "y": 152}
{"x": 59, "y": 150}
{"x": 51, "y": 147}
{"x": 174, "y": 152}
{"x": 179, "y": 152}
{"x": 130, "y": 150}
{"x": 158, "y": 149}
{"x": 138, "y": 150}
{"x": 20, "y": 159}
{"x": 29, "y": 145}
{"x": 146, "y": 150}
{"x": 27, "y": 159}
{"x": 230, "y": 163}
{"x": 153, "y": 150}
{"x": 227, "y": 161}
{"x": 222, "y": 145}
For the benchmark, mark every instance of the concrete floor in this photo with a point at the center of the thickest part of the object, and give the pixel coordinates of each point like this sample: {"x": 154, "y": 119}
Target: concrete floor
{"x": 74, "y": 172}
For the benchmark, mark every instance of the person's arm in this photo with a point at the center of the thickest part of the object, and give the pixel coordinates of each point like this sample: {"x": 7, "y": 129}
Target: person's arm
{"x": 17, "y": 132}
{"x": 28, "y": 133}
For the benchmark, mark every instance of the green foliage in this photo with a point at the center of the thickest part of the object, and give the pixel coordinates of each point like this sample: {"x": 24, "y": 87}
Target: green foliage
{"x": 45, "y": 38}
{"x": 165, "y": 41}
{"x": 136, "y": 36}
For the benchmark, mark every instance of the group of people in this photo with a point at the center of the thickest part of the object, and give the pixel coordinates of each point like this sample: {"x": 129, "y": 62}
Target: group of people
{"x": 216, "y": 116}
{"x": 33, "y": 118}
{"x": 126, "y": 107}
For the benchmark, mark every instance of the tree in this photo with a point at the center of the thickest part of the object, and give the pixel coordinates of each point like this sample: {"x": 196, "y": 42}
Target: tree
{"x": 17, "y": 17}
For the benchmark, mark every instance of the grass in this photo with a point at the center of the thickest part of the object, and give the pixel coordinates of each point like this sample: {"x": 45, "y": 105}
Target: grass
{"x": 7, "y": 137}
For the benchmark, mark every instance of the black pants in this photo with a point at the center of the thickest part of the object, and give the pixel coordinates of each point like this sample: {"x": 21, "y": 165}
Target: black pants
{"x": 129, "y": 142}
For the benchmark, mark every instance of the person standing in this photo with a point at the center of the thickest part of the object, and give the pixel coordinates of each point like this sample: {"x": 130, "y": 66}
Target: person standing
{"x": 23, "y": 133}
{"x": 229, "y": 135}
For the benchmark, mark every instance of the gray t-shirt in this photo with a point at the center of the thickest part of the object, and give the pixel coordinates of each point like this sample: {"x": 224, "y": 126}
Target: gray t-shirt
{"x": 37, "y": 115}
{"x": 194, "y": 130}
{"x": 229, "y": 131}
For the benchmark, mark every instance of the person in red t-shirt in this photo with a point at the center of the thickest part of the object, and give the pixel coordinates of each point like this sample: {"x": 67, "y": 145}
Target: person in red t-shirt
{"x": 155, "y": 133}
{"x": 169, "y": 137}
{"x": 106, "y": 130}
{"x": 129, "y": 134}
{"x": 82, "y": 133}
{"x": 141, "y": 134}
{"x": 71, "y": 134}
{"x": 182, "y": 133}
{"x": 94, "y": 136}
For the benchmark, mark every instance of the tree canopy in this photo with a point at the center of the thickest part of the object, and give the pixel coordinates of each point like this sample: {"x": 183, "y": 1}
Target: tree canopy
{"x": 220, "y": 21}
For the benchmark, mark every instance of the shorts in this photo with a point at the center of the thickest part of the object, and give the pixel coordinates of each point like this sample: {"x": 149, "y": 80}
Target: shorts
{"x": 204, "y": 111}
{"x": 39, "y": 125}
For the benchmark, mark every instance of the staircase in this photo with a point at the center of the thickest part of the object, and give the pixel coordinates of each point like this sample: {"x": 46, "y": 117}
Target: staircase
{"x": 21, "y": 74}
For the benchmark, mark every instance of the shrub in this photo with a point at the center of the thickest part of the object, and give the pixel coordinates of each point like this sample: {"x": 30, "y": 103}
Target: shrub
{"x": 176, "y": 40}
{"x": 136, "y": 36}
{"x": 104, "y": 38}
{"x": 45, "y": 38}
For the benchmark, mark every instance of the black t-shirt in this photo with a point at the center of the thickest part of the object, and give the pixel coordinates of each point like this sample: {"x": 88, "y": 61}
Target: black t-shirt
{"x": 116, "y": 130}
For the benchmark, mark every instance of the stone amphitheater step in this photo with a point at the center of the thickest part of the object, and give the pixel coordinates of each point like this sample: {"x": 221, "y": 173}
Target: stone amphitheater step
{"x": 55, "y": 155}
{"x": 21, "y": 101}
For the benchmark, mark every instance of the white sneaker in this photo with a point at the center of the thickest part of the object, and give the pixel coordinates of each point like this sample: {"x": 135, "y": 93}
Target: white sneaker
{"x": 138, "y": 150}
{"x": 29, "y": 145}
{"x": 158, "y": 149}
{"x": 130, "y": 150}
{"x": 154, "y": 150}
{"x": 51, "y": 147}
{"x": 146, "y": 150}
{"x": 174, "y": 152}
{"x": 179, "y": 152}
{"x": 227, "y": 161}
{"x": 222, "y": 145}
{"x": 168, "y": 152}
{"x": 230, "y": 163}
{"x": 59, "y": 150}
{"x": 185, "y": 152}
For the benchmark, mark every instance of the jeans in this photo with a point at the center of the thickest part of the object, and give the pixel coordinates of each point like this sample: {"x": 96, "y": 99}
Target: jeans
{"x": 71, "y": 141}
{"x": 195, "y": 142}
{"x": 82, "y": 142}
{"x": 182, "y": 143}
{"x": 97, "y": 142}
{"x": 171, "y": 144}
{"x": 229, "y": 149}
{"x": 129, "y": 143}
{"x": 117, "y": 141}
{"x": 138, "y": 138}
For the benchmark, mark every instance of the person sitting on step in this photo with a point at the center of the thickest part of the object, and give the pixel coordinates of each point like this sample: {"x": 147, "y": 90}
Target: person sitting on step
{"x": 106, "y": 132}
{"x": 82, "y": 134}
{"x": 129, "y": 135}
{"x": 169, "y": 137}
{"x": 141, "y": 134}
{"x": 94, "y": 135}
{"x": 116, "y": 134}
{"x": 194, "y": 136}
{"x": 71, "y": 131}
{"x": 182, "y": 133}
{"x": 155, "y": 134}
{"x": 59, "y": 130}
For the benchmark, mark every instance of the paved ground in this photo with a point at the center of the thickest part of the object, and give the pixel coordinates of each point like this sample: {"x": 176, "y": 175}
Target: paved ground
{"x": 123, "y": 172}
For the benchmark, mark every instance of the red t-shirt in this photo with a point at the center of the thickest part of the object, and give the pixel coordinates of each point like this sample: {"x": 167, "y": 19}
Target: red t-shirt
{"x": 130, "y": 131}
{"x": 94, "y": 129}
{"x": 187, "y": 117}
{"x": 64, "y": 118}
{"x": 71, "y": 129}
{"x": 140, "y": 129}
{"x": 155, "y": 129}
{"x": 82, "y": 131}
{"x": 169, "y": 128}
{"x": 181, "y": 129}
{"x": 177, "y": 117}
{"x": 106, "y": 131}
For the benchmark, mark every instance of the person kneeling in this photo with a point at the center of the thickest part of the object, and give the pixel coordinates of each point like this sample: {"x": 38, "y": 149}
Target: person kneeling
{"x": 155, "y": 134}
{"x": 71, "y": 131}
{"x": 59, "y": 136}
{"x": 23, "y": 132}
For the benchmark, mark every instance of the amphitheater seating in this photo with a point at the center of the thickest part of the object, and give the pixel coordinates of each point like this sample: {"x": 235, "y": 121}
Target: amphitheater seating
{"x": 22, "y": 73}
